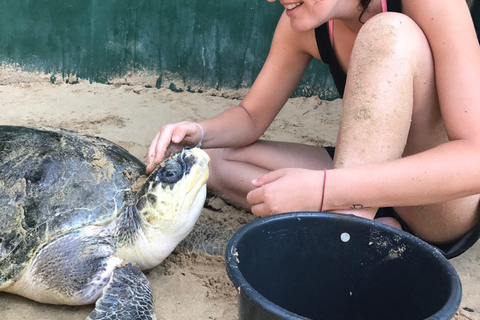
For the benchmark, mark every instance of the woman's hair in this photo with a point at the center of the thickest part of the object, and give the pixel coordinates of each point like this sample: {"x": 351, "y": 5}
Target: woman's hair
{"x": 364, "y": 4}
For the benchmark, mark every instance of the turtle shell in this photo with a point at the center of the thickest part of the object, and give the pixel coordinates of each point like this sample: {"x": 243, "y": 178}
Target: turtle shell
{"x": 54, "y": 181}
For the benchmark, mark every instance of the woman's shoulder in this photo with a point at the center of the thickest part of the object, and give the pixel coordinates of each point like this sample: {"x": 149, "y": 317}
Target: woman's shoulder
{"x": 428, "y": 9}
{"x": 444, "y": 21}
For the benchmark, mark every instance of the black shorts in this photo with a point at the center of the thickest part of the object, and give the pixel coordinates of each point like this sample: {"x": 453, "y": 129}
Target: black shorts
{"x": 450, "y": 250}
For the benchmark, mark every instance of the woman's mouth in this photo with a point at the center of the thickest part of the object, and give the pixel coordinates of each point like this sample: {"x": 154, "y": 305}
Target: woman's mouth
{"x": 291, "y": 6}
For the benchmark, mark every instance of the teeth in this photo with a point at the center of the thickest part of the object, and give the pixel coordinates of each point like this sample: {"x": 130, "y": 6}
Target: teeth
{"x": 292, "y": 5}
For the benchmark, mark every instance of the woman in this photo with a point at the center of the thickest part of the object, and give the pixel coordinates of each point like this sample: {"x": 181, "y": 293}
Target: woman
{"x": 408, "y": 135}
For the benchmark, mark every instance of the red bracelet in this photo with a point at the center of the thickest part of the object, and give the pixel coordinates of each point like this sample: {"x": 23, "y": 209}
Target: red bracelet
{"x": 323, "y": 190}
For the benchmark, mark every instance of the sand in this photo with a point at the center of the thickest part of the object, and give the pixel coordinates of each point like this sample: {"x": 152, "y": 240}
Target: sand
{"x": 129, "y": 111}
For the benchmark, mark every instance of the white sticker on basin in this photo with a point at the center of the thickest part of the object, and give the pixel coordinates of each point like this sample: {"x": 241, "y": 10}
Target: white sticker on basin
{"x": 345, "y": 237}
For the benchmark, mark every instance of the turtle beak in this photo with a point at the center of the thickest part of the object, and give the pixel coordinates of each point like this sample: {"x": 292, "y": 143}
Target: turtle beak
{"x": 201, "y": 172}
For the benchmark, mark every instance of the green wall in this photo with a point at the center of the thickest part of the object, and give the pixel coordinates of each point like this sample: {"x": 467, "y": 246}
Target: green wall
{"x": 206, "y": 43}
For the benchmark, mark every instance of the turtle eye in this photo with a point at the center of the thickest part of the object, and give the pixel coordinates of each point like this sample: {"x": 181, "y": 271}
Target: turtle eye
{"x": 170, "y": 173}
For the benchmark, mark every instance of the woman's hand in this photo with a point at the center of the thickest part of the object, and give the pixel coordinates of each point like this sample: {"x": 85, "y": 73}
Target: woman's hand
{"x": 171, "y": 139}
{"x": 286, "y": 190}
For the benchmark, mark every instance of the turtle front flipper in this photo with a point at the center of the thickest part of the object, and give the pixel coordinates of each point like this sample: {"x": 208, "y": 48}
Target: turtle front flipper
{"x": 127, "y": 296}
{"x": 80, "y": 267}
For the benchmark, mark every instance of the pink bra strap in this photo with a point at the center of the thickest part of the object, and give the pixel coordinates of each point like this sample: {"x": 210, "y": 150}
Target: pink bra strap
{"x": 330, "y": 31}
{"x": 384, "y": 6}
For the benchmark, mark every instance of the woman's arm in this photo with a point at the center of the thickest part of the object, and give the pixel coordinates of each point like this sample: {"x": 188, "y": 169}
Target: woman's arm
{"x": 289, "y": 56}
{"x": 286, "y": 63}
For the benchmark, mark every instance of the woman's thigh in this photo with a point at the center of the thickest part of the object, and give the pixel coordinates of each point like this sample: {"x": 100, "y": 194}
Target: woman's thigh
{"x": 273, "y": 155}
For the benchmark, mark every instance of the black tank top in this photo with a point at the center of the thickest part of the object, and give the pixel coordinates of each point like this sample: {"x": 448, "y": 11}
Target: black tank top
{"x": 328, "y": 55}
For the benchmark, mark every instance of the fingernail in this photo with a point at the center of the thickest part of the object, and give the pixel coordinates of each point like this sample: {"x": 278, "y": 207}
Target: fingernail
{"x": 176, "y": 139}
{"x": 254, "y": 181}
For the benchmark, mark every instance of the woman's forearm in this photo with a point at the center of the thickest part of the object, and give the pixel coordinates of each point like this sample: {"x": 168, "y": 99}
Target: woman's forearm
{"x": 234, "y": 127}
{"x": 447, "y": 172}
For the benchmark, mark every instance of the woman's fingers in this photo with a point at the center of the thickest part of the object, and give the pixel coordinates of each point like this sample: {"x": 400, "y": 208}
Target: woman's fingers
{"x": 158, "y": 146}
{"x": 260, "y": 197}
{"x": 152, "y": 153}
{"x": 169, "y": 140}
{"x": 279, "y": 191}
{"x": 267, "y": 178}
{"x": 261, "y": 210}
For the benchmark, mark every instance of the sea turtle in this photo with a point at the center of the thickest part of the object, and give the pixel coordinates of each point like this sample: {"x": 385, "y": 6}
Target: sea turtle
{"x": 75, "y": 229}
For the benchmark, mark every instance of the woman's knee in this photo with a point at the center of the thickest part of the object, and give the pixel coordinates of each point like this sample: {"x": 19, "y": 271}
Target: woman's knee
{"x": 226, "y": 154}
{"x": 394, "y": 44}
{"x": 394, "y": 36}
{"x": 221, "y": 161}
{"x": 217, "y": 158}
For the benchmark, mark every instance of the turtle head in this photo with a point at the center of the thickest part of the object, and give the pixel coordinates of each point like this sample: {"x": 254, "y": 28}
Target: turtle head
{"x": 172, "y": 198}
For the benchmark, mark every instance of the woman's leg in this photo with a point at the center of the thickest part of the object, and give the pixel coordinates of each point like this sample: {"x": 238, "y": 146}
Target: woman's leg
{"x": 232, "y": 170}
{"x": 390, "y": 109}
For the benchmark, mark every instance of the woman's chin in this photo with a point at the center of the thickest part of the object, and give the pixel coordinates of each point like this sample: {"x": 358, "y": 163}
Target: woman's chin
{"x": 301, "y": 26}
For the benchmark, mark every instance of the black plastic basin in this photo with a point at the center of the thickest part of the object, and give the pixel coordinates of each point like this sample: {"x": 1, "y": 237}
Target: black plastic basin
{"x": 328, "y": 266}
